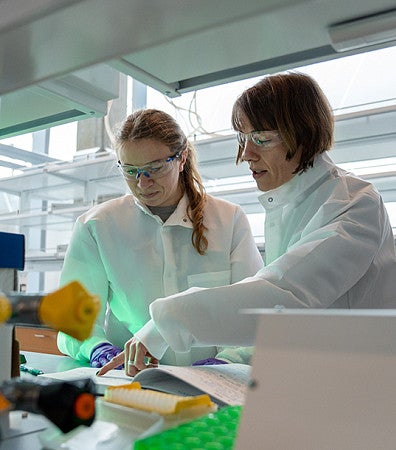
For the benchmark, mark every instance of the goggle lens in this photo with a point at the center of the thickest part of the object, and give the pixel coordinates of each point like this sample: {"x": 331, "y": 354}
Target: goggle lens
{"x": 153, "y": 170}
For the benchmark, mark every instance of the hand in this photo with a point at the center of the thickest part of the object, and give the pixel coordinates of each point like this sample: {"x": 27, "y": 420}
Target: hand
{"x": 112, "y": 364}
{"x": 209, "y": 362}
{"x": 135, "y": 357}
{"x": 103, "y": 353}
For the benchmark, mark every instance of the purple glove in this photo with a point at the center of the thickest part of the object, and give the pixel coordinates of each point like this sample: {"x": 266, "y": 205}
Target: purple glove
{"x": 103, "y": 353}
{"x": 209, "y": 362}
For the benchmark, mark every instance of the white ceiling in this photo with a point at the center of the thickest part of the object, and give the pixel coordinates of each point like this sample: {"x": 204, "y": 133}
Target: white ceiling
{"x": 60, "y": 59}
{"x": 172, "y": 45}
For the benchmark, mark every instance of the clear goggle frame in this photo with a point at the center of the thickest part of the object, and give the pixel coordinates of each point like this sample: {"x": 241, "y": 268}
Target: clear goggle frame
{"x": 153, "y": 170}
{"x": 264, "y": 139}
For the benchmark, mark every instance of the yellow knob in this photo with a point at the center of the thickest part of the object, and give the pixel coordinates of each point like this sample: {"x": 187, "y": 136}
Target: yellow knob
{"x": 5, "y": 309}
{"x": 71, "y": 309}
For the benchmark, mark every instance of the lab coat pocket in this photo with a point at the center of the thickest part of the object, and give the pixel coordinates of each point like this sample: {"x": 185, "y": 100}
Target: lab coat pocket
{"x": 209, "y": 279}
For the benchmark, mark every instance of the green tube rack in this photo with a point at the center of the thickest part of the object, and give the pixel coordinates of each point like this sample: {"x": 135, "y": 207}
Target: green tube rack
{"x": 215, "y": 431}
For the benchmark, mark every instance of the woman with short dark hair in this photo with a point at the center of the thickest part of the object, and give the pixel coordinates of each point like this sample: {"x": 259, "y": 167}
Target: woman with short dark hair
{"x": 328, "y": 239}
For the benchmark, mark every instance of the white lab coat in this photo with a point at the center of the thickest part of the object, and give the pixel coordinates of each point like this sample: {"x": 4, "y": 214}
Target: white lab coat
{"x": 328, "y": 244}
{"x": 122, "y": 252}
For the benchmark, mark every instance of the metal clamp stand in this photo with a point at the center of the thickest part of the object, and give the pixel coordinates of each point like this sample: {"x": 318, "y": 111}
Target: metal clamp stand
{"x": 26, "y": 406}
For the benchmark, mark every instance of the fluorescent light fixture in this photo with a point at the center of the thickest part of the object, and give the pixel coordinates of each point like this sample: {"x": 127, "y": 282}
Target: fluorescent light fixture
{"x": 370, "y": 30}
{"x": 229, "y": 185}
{"x": 372, "y": 167}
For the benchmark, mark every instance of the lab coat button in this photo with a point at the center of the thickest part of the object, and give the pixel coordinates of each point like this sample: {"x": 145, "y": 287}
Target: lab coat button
{"x": 270, "y": 199}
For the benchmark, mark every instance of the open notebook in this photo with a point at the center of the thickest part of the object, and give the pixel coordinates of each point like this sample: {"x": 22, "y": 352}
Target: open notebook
{"x": 225, "y": 383}
{"x": 322, "y": 379}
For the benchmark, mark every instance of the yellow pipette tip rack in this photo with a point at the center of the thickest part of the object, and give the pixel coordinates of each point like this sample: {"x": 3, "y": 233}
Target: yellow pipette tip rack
{"x": 168, "y": 405}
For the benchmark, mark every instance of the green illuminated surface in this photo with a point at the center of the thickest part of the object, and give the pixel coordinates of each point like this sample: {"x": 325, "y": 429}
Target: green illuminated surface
{"x": 215, "y": 431}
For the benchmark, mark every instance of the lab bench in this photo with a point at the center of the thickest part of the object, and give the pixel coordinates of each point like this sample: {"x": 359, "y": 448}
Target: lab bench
{"x": 133, "y": 428}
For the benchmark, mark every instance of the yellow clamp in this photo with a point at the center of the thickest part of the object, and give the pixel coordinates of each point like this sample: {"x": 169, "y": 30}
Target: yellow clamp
{"x": 71, "y": 309}
{"x": 5, "y": 309}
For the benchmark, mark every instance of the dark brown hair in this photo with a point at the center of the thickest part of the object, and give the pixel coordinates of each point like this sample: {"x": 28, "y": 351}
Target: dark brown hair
{"x": 158, "y": 125}
{"x": 294, "y": 104}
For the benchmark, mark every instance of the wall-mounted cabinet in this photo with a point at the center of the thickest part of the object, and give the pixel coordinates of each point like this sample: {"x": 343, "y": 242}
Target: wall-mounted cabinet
{"x": 68, "y": 188}
{"x": 49, "y": 199}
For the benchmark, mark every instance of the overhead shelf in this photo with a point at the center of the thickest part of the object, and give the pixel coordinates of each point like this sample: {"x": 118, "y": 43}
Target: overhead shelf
{"x": 76, "y": 96}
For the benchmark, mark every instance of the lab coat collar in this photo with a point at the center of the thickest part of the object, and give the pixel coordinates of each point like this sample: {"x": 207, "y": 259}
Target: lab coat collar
{"x": 298, "y": 185}
{"x": 178, "y": 217}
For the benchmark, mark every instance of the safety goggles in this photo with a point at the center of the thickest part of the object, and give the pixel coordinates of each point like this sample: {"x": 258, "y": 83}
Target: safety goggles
{"x": 263, "y": 139}
{"x": 153, "y": 170}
